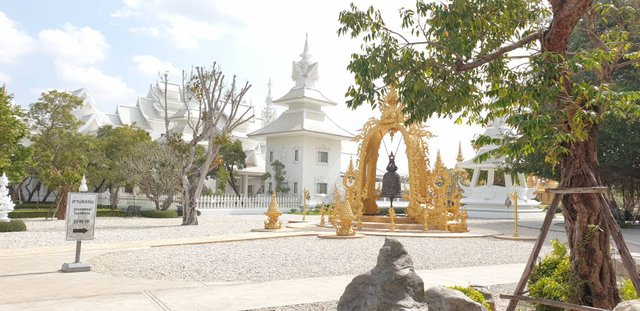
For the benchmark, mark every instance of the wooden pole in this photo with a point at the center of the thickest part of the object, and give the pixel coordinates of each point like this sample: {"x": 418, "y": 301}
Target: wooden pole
{"x": 536, "y": 251}
{"x": 553, "y": 303}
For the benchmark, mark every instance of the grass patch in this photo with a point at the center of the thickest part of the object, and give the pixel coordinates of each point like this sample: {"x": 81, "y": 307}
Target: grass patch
{"x": 13, "y": 226}
{"x": 159, "y": 214}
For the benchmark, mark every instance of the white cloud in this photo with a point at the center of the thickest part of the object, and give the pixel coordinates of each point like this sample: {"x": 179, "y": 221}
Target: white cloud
{"x": 150, "y": 66}
{"x": 74, "y": 45}
{"x": 4, "y": 78}
{"x": 13, "y": 42}
{"x": 146, "y": 31}
{"x": 184, "y": 25}
{"x": 105, "y": 89}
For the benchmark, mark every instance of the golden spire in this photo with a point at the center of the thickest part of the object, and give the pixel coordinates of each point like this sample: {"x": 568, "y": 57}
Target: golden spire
{"x": 460, "y": 157}
{"x": 273, "y": 213}
{"x": 439, "y": 163}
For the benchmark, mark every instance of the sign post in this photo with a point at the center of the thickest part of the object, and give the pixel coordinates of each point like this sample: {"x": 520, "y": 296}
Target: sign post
{"x": 81, "y": 222}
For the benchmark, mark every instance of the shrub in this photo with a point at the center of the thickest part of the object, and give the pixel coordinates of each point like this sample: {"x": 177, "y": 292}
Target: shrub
{"x": 627, "y": 291}
{"x": 29, "y": 213}
{"x": 13, "y": 226}
{"x": 45, "y": 205}
{"x": 473, "y": 294}
{"x": 551, "y": 278}
{"x": 159, "y": 214}
{"x": 107, "y": 212}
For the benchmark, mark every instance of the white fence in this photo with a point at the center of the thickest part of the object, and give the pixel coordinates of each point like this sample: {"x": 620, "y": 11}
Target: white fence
{"x": 213, "y": 202}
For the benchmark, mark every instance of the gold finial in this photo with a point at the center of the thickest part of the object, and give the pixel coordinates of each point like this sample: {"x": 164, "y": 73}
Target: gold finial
{"x": 460, "y": 157}
{"x": 305, "y": 195}
{"x": 322, "y": 214}
{"x": 346, "y": 219}
{"x": 273, "y": 213}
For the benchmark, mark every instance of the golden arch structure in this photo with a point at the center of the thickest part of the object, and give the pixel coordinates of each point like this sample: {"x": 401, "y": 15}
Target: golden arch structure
{"x": 430, "y": 201}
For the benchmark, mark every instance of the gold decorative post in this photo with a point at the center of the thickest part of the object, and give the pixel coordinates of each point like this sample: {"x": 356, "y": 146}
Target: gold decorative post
{"x": 514, "y": 197}
{"x": 346, "y": 221}
{"x": 305, "y": 194}
{"x": 425, "y": 218}
{"x": 273, "y": 213}
{"x": 463, "y": 220}
{"x": 322, "y": 214}
{"x": 392, "y": 219}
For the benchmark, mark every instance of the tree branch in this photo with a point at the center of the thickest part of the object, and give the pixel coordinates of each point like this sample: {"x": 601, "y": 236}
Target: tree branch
{"x": 499, "y": 52}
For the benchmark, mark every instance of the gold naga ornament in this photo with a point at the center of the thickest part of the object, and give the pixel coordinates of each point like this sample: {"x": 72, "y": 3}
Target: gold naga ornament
{"x": 429, "y": 195}
{"x": 273, "y": 213}
{"x": 305, "y": 195}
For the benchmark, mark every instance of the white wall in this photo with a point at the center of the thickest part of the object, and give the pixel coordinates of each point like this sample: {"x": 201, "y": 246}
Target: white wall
{"x": 307, "y": 171}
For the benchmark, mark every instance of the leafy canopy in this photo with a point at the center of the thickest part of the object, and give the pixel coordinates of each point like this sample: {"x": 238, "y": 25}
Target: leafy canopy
{"x": 14, "y": 157}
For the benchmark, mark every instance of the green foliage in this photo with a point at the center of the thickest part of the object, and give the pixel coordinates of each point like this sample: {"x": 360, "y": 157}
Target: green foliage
{"x": 159, "y": 214}
{"x": 222, "y": 176}
{"x": 473, "y": 294}
{"x": 60, "y": 153}
{"x": 627, "y": 291}
{"x": 113, "y": 147}
{"x": 13, "y": 226}
{"x": 552, "y": 277}
{"x": 232, "y": 158}
{"x": 155, "y": 169}
{"x": 279, "y": 177}
{"x": 14, "y": 158}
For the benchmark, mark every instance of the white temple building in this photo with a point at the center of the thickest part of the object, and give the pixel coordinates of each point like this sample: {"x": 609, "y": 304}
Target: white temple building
{"x": 304, "y": 138}
{"x": 485, "y": 198}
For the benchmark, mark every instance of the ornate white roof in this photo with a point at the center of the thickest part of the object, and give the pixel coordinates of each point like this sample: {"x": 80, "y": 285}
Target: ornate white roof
{"x": 498, "y": 129}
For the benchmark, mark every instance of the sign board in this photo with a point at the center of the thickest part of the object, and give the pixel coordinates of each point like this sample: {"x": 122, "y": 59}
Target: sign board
{"x": 81, "y": 216}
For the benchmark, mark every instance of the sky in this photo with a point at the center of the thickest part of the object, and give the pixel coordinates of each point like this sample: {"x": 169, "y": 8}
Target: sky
{"x": 116, "y": 49}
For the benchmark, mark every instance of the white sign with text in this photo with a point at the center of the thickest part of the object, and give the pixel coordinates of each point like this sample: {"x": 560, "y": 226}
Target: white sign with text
{"x": 81, "y": 216}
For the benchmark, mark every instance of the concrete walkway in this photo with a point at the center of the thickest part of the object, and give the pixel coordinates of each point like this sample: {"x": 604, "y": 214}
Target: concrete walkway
{"x": 30, "y": 280}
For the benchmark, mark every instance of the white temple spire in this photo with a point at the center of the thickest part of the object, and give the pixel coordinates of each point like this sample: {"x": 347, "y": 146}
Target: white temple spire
{"x": 268, "y": 113}
{"x": 305, "y": 73}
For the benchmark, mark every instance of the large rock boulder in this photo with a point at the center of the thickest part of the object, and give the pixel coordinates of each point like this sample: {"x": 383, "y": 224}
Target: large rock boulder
{"x": 446, "y": 299}
{"x": 629, "y": 305}
{"x": 391, "y": 285}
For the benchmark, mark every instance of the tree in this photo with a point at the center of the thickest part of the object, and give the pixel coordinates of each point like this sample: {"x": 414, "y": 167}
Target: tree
{"x": 214, "y": 109}
{"x": 279, "y": 176}
{"x": 114, "y": 145}
{"x": 15, "y": 158}
{"x": 60, "y": 153}
{"x": 450, "y": 56}
{"x": 155, "y": 169}
{"x": 232, "y": 159}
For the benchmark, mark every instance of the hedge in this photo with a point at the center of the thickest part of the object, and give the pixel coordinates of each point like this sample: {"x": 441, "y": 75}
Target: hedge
{"x": 159, "y": 214}
{"x": 46, "y": 212}
{"x": 13, "y": 226}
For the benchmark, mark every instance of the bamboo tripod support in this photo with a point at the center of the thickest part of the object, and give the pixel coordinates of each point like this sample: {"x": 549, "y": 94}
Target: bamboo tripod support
{"x": 616, "y": 235}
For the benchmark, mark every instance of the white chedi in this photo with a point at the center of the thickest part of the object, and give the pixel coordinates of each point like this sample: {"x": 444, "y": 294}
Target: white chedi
{"x": 6, "y": 205}
{"x": 83, "y": 185}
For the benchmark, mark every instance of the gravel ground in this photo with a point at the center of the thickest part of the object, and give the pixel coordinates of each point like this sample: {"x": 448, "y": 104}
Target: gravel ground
{"x": 118, "y": 229}
{"x": 301, "y": 257}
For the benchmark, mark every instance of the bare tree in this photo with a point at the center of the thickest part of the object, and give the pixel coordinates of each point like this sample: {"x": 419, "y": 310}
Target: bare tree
{"x": 156, "y": 171}
{"x": 213, "y": 110}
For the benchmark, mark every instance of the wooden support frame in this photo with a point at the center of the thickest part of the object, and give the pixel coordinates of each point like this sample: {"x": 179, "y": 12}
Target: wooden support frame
{"x": 614, "y": 230}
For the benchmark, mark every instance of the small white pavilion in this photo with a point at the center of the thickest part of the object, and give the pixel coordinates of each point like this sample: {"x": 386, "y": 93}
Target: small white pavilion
{"x": 487, "y": 199}
{"x": 304, "y": 138}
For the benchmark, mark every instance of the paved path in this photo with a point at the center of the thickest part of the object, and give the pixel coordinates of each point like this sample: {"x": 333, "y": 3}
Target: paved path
{"x": 30, "y": 280}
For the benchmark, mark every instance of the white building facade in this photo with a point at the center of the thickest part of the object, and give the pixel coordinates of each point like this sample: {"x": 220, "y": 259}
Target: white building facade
{"x": 304, "y": 138}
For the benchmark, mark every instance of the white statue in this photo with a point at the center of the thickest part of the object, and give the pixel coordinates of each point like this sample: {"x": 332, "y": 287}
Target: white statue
{"x": 83, "y": 185}
{"x": 6, "y": 205}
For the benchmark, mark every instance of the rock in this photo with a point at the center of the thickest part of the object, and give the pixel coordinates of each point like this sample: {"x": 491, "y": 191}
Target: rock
{"x": 391, "y": 285}
{"x": 446, "y": 299}
{"x": 629, "y": 305}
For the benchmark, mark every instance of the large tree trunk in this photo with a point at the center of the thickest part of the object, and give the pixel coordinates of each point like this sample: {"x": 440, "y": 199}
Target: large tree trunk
{"x": 114, "y": 191}
{"x": 587, "y": 231}
{"x": 189, "y": 202}
{"x": 61, "y": 202}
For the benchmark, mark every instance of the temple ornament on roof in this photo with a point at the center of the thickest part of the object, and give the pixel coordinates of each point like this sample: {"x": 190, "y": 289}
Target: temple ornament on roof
{"x": 304, "y": 72}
